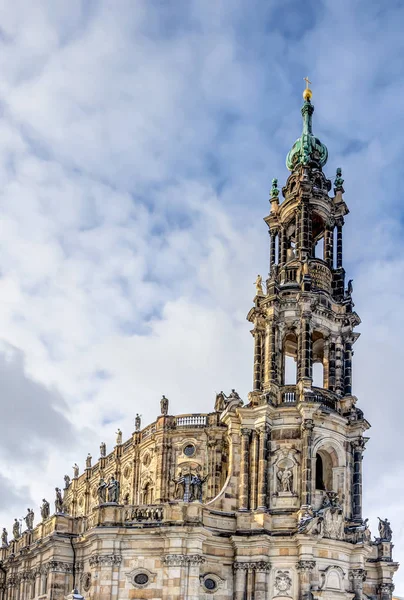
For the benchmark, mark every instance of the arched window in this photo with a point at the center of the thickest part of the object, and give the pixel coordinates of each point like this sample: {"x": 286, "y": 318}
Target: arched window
{"x": 148, "y": 494}
{"x": 319, "y": 473}
{"x": 324, "y": 466}
{"x": 318, "y": 359}
{"x": 290, "y": 359}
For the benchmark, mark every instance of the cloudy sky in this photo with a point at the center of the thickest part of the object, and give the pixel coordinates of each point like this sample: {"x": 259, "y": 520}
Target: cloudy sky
{"x": 138, "y": 140}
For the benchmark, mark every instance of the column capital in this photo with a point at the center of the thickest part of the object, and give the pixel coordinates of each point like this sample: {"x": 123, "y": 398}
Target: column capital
{"x": 308, "y": 425}
{"x": 359, "y": 444}
{"x": 357, "y": 575}
{"x": 305, "y": 566}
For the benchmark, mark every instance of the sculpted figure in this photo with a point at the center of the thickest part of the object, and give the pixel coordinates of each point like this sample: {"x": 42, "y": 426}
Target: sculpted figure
{"x": 196, "y": 487}
{"x": 75, "y": 470}
{"x": 16, "y": 529}
{"x": 4, "y": 538}
{"x": 88, "y": 461}
{"x": 179, "y": 486}
{"x": 29, "y": 519}
{"x": 385, "y": 531}
{"x": 103, "y": 449}
{"x": 102, "y": 491}
{"x": 45, "y": 509}
{"x": 58, "y": 501}
{"x": 67, "y": 481}
{"x": 220, "y": 402}
{"x": 285, "y": 478}
{"x": 138, "y": 422}
{"x": 164, "y": 405}
{"x": 350, "y": 287}
{"x": 113, "y": 490}
{"x": 234, "y": 395}
{"x": 258, "y": 285}
{"x": 118, "y": 437}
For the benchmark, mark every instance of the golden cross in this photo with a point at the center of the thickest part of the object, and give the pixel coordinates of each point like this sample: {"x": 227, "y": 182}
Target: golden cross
{"x": 306, "y": 79}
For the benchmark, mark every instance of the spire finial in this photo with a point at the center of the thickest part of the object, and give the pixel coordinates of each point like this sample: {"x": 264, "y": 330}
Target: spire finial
{"x": 307, "y": 93}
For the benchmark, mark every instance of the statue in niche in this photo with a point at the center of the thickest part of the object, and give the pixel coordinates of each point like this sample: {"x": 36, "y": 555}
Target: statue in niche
{"x": 285, "y": 479}
{"x": 118, "y": 437}
{"x": 385, "y": 531}
{"x": 196, "y": 484}
{"x": 67, "y": 481}
{"x": 45, "y": 509}
{"x": 113, "y": 490}
{"x": 103, "y": 450}
{"x": 29, "y": 519}
{"x": 16, "y": 529}
{"x": 138, "y": 422}
{"x": 88, "y": 461}
{"x": 102, "y": 491}
{"x": 220, "y": 402}
{"x": 179, "y": 491}
{"x": 75, "y": 471}
{"x": 164, "y": 405}
{"x": 58, "y": 501}
{"x": 258, "y": 286}
{"x": 4, "y": 538}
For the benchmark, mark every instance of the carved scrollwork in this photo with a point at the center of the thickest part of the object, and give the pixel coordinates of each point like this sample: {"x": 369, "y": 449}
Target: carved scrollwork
{"x": 305, "y": 566}
{"x": 179, "y": 560}
{"x": 260, "y": 565}
{"x": 107, "y": 560}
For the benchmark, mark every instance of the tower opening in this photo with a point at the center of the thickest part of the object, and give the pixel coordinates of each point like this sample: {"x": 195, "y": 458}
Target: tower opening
{"x": 318, "y": 359}
{"x": 289, "y": 370}
{"x": 324, "y": 472}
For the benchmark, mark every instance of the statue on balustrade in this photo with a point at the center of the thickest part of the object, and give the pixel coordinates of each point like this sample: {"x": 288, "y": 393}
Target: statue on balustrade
{"x": 102, "y": 491}
{"x": 385, "y": 531}
{"x": 103, "y": 450}
{"x": 164, "y": 405}
{"x": 220, "y": 402}
{"x": 16, "y": 529}
{"x": 75, "y": 471}
{"x": 67, "y": 481}
{"x": 58, "y": 501}
{"x": 29, "y": 519}
{"x": 138, "y": 422}
{"x": 113, "y": 490}
{"x": 88, "y": 461}
{"x": 4, "y": 538}
{"x": 45, "y": 509}
{"x": 118, "y": 437}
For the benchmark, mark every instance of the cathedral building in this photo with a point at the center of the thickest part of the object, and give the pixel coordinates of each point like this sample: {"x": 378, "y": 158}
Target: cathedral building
{"x": 259, "y": 499}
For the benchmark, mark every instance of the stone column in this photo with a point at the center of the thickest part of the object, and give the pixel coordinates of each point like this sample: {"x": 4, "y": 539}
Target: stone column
{"x": 357, "y": 577}
{"x": 194, "y": 562}
{"x": 254, "y": 470}
{"x": 305, "y": 569}
{"x": 106, "y": 575}
{"x": 331, "y": 366}
{"x": 326, "y": 363}
{"x": 307, "y": 435}
{"x": 174, "y": 579}
{"x": 244, "y": 467}
{"x": 262, "y": 469}
{"x": 262, "y": 570}
{"x": 305, "y": 349}
{"x": 257, "y": 333}
{"x": 358, "y": 447}
{"x": 272, "y": 251}
{"x": 329, "y": 246}
{"x": 348, "y": 368}
{"x": 305, "y": 238}
{"x": 240, "y": 580}
{"x": 283, "y": 248}
{"x": 339, "y": 367}
{"x": 386, "y": 591}
{"x": 339, "y": 245}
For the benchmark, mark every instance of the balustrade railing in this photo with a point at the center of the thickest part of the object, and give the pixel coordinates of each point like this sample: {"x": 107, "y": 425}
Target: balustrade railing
{"x": 289, "y": 395}
{"x": 143, "y": 513}
{"x": 190, "y": 421}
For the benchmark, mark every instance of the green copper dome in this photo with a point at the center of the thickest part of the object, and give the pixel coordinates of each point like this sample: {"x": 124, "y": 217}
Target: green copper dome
{"x": 307, "y": 148}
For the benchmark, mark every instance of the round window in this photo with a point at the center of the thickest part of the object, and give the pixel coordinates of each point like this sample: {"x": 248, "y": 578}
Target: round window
{"x": 210, "y": 584}
{"x": 141, "y": 579}
{"x": 189, "y": 450}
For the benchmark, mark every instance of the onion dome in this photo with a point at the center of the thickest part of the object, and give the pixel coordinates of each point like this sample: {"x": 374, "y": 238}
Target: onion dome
{"x": 307, "y": 149}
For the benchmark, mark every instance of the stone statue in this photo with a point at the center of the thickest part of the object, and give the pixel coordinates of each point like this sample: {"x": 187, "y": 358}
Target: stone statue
{"x": 350, "y": 287}
{"x": 274, "y": 188}
{"x": 29, "y": 519}
{"x": 338, "y": 179}
{"x": 118, "y": 437}
{"x": 75, "y": 471}
{"x": 385, "y": 531}
{"x": 103, "y": 450}
{"x": 16, "y": 529}
{"x": 196, "y": 487}
{"x": 285, "y": 478}
{"x": 258, "y": 285}
{"x": 113, "y": 490}
{"x": 58, "y": 501}
{"x": 306, "y": 266}
{"x": 138, "y": 422}
{"x": 4, "y": 538}
{"x": 45, "y": 509}
{"x": 164, "y": 405}
{"x": 179, "y": 491}
{"x": 102, "y": 491}
{"x": 88, "y": 461}
{"x": 67, "y": 481}
{"x": 234, "y": 395}
{"x": 220, "y": 402}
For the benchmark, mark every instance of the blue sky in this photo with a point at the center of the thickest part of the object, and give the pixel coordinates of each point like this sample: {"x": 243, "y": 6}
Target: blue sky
{"x": 138, "y": 141}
